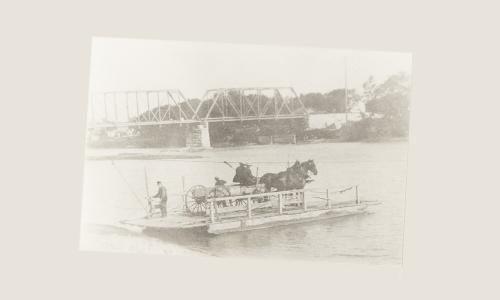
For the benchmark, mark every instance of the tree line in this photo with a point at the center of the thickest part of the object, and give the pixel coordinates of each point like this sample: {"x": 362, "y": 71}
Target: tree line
{"x": 387, "y": 106}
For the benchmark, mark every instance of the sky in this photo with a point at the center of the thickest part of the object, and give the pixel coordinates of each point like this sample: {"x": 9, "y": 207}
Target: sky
{"x": 194, "y": 67}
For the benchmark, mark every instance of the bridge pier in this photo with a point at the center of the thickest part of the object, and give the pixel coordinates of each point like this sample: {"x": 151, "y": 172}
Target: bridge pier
{"x": 197, "y": 136}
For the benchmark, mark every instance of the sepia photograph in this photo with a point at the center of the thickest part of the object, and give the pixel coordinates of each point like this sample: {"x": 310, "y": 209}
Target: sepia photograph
{"x": 242, "y": 150}
{"x": 250, "y": 149}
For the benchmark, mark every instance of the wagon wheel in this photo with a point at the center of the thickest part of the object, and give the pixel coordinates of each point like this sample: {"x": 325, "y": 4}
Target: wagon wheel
{"x": 217, "y": 192}
{"x": 196, "y": 200}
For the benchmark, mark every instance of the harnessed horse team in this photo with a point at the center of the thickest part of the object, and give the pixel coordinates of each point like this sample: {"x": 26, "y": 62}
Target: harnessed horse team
{"x": 294, "y": 177}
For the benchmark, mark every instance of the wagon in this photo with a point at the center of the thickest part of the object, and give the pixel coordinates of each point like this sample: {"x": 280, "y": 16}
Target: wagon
{"x": 197, "y": 199}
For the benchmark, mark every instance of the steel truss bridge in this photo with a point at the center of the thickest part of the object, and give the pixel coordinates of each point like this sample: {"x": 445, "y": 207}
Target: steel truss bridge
{"x": 163, "y": 107}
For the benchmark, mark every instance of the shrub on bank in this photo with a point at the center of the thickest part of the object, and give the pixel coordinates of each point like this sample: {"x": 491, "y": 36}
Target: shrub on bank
{"x": 373, "y": 129}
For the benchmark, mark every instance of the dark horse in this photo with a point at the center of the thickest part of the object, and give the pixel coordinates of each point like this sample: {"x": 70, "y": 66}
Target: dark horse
{"x": 295, "y": 177}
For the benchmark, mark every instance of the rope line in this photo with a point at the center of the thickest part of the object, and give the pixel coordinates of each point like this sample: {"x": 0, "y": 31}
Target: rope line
{"x": 129, "y": 186}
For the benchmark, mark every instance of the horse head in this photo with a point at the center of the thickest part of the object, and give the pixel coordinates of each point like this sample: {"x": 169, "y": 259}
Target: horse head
{"x": 310, "y": 166}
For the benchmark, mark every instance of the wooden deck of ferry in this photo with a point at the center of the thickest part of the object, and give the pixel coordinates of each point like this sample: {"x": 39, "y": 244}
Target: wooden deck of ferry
{"x": 281, "y": 210}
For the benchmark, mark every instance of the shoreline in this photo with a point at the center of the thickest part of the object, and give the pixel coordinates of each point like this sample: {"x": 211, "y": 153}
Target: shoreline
{"x": 97, "y": 154}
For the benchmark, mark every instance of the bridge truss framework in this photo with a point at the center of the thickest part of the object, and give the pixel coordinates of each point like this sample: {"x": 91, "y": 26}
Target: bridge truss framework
{"x": 161, "y": 107}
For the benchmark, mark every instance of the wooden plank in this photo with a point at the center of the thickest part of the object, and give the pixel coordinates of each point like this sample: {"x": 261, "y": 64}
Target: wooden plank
{"x": 127, "y": 106}
{"x": 240, "y": 222}
{"x": 249, "y": 206}
{"x": 304, "y": 201}
{"x": 280, "y": 205}
{"x": 357, "y": 198}
{"x": 229, "y": 209}
{"x": 294, "y": 201}
{"x": 259, "y": 195}
{"x": 280, "y": 220}
{"x": 137, "y": 107}
{"x": 212, "y": 212}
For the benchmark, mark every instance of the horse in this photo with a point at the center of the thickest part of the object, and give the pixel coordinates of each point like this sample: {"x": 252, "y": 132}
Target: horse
{"x": 295, "y": 177}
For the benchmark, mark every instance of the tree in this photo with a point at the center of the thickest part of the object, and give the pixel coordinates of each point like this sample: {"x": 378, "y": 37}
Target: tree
{"x": 333, "y": 101}
{"x": 315, "y": 102}
{"x": 390, "y": 99}
{"x": 336, "y": 98}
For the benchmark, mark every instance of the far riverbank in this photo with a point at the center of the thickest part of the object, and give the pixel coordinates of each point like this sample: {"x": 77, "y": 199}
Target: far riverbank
{"x": 194, "y": 153}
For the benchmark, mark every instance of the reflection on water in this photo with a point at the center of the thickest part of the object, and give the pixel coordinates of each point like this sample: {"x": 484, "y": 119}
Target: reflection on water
{"x": 269, "y": 241}
{"x": 376, "y": 237}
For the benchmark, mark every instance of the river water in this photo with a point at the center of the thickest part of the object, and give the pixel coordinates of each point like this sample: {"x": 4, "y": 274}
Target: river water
{"x": 115, "y": 190}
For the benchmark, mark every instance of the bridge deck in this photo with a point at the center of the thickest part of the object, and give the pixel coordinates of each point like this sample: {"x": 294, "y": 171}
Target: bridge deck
{"x": 209, "y": 120}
